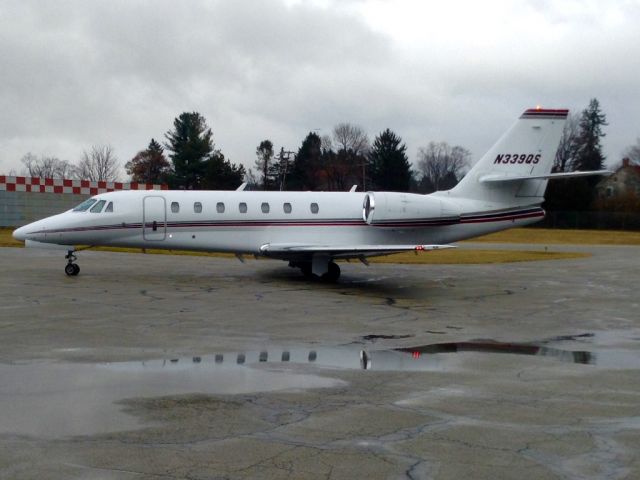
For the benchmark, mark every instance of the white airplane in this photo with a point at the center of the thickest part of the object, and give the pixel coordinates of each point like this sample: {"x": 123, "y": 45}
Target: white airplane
{"x": 311, "y": 230}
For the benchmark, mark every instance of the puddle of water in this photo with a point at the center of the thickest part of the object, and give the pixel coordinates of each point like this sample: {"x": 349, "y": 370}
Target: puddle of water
{"x": 602, "y": 338}
{"x": 373, "y": 338}
{"x": 600, "y": 353}
{"x": 57, "y": 399}
{"x": 54, "y": 400}
{"x": 580, "y": 356}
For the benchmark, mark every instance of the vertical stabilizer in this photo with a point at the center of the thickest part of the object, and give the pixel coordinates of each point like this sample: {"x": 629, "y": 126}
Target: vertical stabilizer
{"x": 528, "y": 148}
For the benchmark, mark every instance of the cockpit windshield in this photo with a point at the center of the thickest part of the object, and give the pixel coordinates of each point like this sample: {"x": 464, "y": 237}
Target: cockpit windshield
{"x": 84, "y": 206}
{"x": 97, "y": 208}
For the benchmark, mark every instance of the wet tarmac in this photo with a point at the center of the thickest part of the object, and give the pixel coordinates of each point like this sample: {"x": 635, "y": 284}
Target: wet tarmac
{"x": 82, "y": 398}
{"x": 179, "y": 367}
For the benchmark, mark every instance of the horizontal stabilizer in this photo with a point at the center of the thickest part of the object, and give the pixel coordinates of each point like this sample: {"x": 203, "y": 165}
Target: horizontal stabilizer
{"x": 504, "y": 177}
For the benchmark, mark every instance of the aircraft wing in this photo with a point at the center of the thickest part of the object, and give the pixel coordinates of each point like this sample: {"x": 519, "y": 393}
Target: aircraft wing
{"x": 293, "y": 250}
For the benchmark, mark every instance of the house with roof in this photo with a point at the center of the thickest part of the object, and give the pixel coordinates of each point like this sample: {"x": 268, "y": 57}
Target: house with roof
{"x": 622, "y": 187}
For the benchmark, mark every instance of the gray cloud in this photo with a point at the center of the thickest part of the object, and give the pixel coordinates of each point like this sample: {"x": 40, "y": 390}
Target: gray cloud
{"x": 79, "y": 73}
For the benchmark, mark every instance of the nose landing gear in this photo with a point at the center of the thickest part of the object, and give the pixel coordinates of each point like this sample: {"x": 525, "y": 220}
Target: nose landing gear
{"x": 71, "y": 269}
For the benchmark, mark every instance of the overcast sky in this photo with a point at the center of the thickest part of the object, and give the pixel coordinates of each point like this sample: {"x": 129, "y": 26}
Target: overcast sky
{"x": 80, "y": 73}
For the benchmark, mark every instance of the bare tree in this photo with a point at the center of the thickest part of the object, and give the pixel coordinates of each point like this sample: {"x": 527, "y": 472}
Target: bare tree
{"x": 99, "y": 163}
{"x": 46, "y": 167}
{"x": 441, "y": 164}
{"x": 344, "y": 157}
{"x": 567, "y": 148}
{"x": 350, "y": 138}
{"x": 633, "y": 152}
{"x": 251, "y": 179}
{"x": 326, "y": 143}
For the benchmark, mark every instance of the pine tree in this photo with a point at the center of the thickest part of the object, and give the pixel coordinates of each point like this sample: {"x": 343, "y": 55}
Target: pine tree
{"x": 584, "y": 152}
{"x": 221, "y": 174}
{"x": 390, "y": 166}
{"x": 264, "y": 164}
{"x": 588, "y": 151}
{"x": 191, "y": 144}
{"x": 305, "y": 169}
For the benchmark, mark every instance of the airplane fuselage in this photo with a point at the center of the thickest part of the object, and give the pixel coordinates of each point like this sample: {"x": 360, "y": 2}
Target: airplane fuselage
{"x": 246, "y": 222}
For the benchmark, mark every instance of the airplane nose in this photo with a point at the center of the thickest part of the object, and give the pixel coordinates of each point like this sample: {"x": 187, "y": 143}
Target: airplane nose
{"x": 20, "y": 234}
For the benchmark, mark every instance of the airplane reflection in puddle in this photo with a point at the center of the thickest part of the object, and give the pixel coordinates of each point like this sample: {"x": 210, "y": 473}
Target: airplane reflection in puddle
{"x": 420, "y": 358}
{"x": 567, "y": 356}
{"x": 59, "y": 399}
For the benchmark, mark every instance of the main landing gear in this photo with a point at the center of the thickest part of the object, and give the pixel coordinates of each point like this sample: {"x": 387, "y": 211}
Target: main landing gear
{"x": 71, "y": 269}
{"x": 332, "y": 273}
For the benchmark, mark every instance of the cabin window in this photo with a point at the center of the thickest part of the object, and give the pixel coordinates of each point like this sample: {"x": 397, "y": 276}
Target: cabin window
{"x": 97, "y": 208}
{"x": 109, "y": 208}
{"x": 243, "y": 207}
{"x": 287, "y": 207}
{"x": 197, "y": 207}
{"x": 175, "y": 207}
{"x": 314, "y": 208}
{"x": 264, "y": 207}
{"x": 220, "y": 207}
{"x": 609, "y": 192}
{"x": 84, "y": 206}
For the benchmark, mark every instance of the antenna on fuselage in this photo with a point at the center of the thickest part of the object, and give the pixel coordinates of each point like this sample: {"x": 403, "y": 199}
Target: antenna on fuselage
{"x": 241, "y": 187}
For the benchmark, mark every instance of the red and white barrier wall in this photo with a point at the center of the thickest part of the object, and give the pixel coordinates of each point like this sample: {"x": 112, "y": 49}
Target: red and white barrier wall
{"x": 26, "y": 199}
{"x": 65, "y": 185}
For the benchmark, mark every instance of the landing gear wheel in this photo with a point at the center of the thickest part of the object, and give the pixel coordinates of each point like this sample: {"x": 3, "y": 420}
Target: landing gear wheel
{"x": 305, "y": 268}
{"x": 71, "y": 268}
{"x": 333, "y": 274}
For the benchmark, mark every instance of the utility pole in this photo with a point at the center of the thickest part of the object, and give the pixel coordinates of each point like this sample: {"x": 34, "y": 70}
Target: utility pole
{"x": 364, "y": 175}
{"x": 284, "y": 157}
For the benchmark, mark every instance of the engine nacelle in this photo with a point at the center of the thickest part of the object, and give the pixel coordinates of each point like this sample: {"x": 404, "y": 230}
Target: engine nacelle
{"x": 381, "y": 208}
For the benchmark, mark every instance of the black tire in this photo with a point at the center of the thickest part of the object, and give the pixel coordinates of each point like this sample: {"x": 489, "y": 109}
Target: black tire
{"x": 76, "y": 269}
{"x": 70, "y": 269}
{"x": 306, "y": 269}
{"x": 333, "y": 274}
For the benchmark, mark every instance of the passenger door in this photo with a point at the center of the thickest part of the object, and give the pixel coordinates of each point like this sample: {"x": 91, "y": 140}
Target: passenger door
{"x": 154, "y": 218}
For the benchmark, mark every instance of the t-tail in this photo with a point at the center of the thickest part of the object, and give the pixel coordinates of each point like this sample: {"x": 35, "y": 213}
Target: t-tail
{"x": 515, "y": 171}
